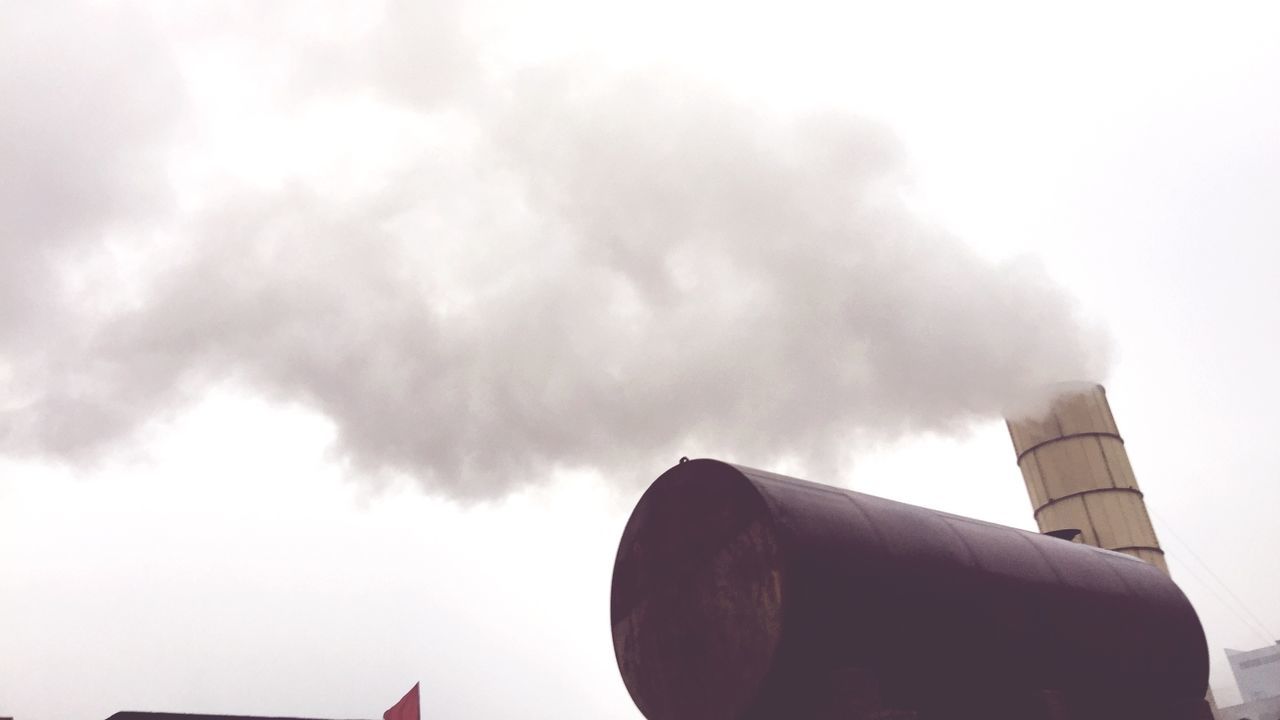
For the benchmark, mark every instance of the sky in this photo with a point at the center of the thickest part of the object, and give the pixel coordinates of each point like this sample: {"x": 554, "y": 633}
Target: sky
{"x": 337, "y": 340}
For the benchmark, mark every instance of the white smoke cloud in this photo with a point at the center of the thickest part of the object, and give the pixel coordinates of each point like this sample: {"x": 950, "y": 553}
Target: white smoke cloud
{"x": 480, "y": 276}
{"x": 89, "y": 99}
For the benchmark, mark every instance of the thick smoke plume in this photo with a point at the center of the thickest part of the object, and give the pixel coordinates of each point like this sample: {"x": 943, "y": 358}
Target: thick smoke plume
{"x": 540, "y": 268}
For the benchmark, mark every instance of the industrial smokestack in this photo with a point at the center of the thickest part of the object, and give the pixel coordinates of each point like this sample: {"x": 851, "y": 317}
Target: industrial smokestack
{"x": 1079, "y": 477}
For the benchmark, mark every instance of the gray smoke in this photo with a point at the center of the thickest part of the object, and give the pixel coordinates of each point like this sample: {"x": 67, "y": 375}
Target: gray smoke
{"x": 89, "y": 98}
{"x": 567, "y": 268}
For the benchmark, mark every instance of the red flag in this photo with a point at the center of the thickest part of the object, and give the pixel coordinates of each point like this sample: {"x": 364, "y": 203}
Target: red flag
{"x": 406, "y": 709}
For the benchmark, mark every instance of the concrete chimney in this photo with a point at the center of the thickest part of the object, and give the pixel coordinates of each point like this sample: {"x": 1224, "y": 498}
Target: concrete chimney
{"x": 1078, "y": 474}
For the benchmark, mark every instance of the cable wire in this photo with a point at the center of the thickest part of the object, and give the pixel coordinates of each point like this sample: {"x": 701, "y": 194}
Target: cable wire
{"x": 1253, "y": 622}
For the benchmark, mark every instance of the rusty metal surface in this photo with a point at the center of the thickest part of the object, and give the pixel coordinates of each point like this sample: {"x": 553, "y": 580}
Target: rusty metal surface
{"x": 738, "y": 593}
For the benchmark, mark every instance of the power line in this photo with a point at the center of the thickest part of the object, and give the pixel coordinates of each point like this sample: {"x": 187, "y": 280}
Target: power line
{"x": 1253, "y": 627}
{"x": 1254, "y": 623}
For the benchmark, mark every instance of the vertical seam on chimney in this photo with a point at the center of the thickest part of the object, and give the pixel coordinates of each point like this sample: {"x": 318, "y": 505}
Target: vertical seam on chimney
{"x": 1044, "y": 483}
{"x": 1103, "y": 451}
{"x": 1084, "y": 503}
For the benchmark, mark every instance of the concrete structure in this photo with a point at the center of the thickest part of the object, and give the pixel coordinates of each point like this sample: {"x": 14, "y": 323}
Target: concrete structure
{"x": 1078, "y": 474}
{"x": 1257, "y": 672}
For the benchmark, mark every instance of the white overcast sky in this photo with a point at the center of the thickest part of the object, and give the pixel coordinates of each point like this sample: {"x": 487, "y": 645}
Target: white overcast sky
{"x": 337, "y": 339}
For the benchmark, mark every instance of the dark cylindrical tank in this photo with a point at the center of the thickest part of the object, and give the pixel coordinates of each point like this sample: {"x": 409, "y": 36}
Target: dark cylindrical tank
{"x": 739, "y": 593}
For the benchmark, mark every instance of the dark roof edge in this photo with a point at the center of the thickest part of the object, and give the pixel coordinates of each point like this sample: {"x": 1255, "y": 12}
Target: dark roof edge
{"x": 140, "y": 715}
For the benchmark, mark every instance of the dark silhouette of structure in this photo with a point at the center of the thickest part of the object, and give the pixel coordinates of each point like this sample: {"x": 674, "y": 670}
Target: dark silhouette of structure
{"x": 135, "y": 715}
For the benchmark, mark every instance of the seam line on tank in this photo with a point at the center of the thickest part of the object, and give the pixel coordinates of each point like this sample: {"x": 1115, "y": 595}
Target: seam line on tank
{"x": 1045, "y": 558}
{"x": 866, "y": 518}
